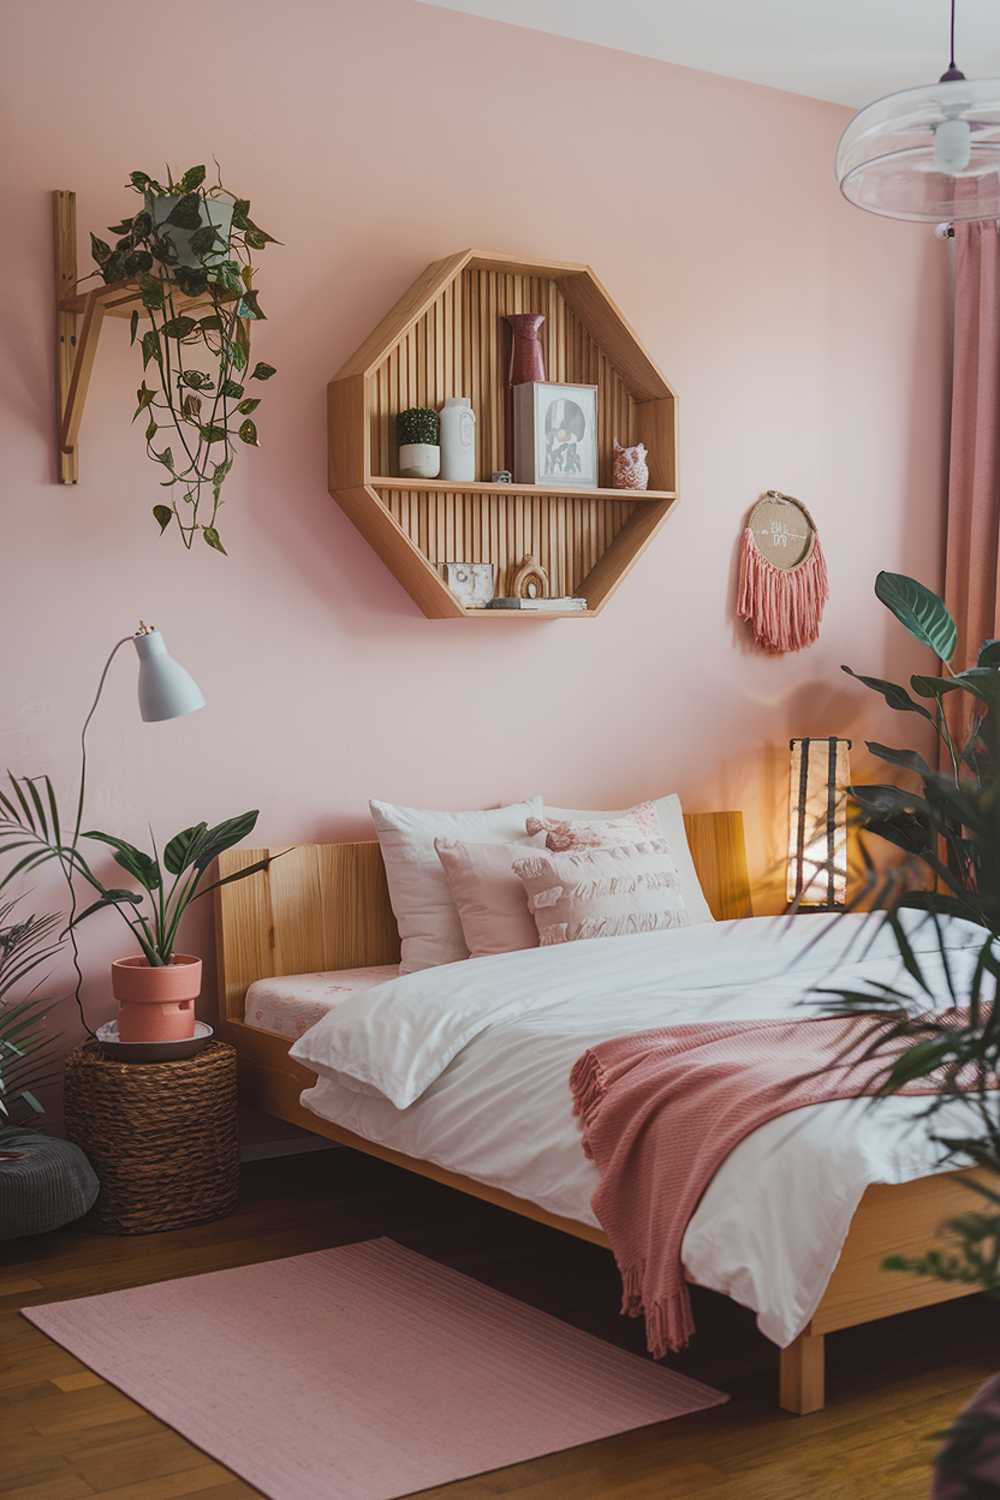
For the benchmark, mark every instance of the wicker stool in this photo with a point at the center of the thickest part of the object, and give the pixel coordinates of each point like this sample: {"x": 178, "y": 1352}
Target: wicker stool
{"x": 162, "y": 1137}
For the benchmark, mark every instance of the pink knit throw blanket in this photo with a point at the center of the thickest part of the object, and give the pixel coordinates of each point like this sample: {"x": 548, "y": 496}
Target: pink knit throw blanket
{"x": 661, "y": 1110}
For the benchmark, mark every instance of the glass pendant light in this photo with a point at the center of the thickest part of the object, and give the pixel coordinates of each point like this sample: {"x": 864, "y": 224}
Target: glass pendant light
{"x": 928, "y": 153}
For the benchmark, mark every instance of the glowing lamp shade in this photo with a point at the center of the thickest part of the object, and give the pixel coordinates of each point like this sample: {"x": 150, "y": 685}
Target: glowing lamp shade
{"x": 166, "y": 690}
{"x": 817, "y": 823}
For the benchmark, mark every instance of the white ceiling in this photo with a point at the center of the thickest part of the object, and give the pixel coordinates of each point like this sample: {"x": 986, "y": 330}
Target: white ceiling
{"x": 849, "y": 51}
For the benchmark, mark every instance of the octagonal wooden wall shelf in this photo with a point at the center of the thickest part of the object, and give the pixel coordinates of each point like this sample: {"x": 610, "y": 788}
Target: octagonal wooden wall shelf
{"x": 447, "y": 337}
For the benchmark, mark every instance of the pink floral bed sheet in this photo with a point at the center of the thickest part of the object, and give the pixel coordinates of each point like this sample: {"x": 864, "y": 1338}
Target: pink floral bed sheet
{"x": 290, "y": 1005}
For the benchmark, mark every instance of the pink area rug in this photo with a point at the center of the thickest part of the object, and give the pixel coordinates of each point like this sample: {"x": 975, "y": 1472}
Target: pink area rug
{"x": 363, "y": 1372}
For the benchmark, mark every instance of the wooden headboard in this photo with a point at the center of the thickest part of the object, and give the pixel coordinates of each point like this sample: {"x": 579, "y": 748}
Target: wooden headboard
{"x": 326, "y": 906}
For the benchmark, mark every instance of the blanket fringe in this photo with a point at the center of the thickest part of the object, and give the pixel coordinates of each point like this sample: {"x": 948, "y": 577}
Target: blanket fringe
{"x": 669, "y": 1323}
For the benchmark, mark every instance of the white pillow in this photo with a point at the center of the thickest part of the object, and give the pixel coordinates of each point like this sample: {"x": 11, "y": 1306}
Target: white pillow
{"x": 429, "y": 927}
{"x": 671, "y": 816}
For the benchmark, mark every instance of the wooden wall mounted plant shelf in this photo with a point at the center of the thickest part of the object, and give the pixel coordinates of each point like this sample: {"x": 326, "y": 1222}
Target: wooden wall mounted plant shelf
{"x": 447, "y": 336}
{"x": 76, "y": 342}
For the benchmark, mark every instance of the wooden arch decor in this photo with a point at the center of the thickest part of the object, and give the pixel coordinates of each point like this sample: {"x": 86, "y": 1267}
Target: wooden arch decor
{"x": 446, "y": 337}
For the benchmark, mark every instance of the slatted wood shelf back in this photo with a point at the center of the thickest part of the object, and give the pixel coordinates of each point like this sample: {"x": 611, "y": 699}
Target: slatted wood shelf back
{"x": 448, "y": 336}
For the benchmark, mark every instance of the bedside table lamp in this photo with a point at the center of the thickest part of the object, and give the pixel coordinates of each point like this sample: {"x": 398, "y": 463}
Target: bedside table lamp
{"x": 166, "y": 691}
{"x": 820, "y": 774}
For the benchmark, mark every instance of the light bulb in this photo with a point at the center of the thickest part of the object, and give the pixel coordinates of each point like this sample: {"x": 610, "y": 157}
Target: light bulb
{"x": 952, "y": 147}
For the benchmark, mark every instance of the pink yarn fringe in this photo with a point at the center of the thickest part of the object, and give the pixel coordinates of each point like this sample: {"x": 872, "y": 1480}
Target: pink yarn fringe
{"x": 669, "y": 1322}
{"x": 784, "y": 607}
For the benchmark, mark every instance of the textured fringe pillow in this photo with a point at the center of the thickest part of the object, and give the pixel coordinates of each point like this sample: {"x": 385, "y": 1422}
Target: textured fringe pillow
{"x": 670, "y": 821}
{"x": 592, "y": 893}
{"x": 598, "y": 832}
{"x": 490, "y": 899}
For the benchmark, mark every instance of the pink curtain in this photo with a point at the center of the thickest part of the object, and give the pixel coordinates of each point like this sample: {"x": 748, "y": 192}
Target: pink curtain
{"x": 972, "y": 576}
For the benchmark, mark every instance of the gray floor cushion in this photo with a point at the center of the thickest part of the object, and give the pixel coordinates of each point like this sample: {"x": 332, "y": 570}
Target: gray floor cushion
{"x": 44, "y": 1182}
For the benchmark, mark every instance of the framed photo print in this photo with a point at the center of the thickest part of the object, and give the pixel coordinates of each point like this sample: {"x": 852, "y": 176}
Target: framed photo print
{"x": 555, "y": 435}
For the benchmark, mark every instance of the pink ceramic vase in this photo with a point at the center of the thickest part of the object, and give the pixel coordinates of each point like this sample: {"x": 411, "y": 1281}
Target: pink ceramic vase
{"x": 156, "y": 1004}
{"x": 527, "y": 361}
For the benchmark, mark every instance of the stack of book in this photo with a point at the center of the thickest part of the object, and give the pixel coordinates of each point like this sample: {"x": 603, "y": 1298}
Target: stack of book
{"x": 542, "y": 606}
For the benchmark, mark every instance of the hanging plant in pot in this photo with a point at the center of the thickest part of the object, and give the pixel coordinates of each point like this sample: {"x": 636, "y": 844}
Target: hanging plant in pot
{"x": 190, "y": 249}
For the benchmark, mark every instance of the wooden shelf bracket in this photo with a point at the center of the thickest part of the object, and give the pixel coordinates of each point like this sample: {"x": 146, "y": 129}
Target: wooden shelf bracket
{"x": 75, "y": 346}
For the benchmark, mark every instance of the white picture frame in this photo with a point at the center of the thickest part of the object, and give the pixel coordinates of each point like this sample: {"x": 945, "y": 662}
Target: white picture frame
{"x": 555, "y": 435}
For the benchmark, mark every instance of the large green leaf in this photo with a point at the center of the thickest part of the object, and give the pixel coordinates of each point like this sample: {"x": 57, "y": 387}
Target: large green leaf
{"x": 135, "y": 862}
{"x": 897, "y": 697}
{"x": 983, "y": 682}
{"x": 186, "y": 212}
{"x": 224, "y": 835}
{"x": 183, "y": 848}
{"x": 109, "y": 898}
{"x": 989, "y": 654}
{"x": 193, "y": 178}
{"x": 923, "y": 614}
{"x": 934, "y": 687}
{"x": 909, "y": 760}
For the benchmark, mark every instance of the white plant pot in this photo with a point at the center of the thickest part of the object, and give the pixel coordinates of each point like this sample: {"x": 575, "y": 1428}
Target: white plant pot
{"x": 217, "y": 211}
{"x": 458, "y": 440}
{"x": 419, "y": 460}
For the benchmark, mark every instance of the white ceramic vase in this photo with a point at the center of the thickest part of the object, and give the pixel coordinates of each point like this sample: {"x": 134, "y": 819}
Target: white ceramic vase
{"x": 419, "y": 460}
{"x": 458, "y": 440}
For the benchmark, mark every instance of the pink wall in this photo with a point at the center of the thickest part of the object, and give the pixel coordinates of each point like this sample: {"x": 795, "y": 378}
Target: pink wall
{"x": 806, "y": 342}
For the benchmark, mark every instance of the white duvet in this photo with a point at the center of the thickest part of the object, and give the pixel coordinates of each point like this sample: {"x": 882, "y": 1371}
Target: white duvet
{"x": 468, "y": 1065}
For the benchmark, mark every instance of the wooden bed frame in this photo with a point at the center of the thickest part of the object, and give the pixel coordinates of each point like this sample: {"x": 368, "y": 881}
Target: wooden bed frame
{"x": 326, "y": 906}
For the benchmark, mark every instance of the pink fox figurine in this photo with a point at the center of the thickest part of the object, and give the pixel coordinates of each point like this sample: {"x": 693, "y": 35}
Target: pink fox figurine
{"x": 631, "y": 471}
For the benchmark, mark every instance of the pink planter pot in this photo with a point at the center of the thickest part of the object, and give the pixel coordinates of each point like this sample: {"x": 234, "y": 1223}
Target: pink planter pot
{"x": 156, "y": 1004}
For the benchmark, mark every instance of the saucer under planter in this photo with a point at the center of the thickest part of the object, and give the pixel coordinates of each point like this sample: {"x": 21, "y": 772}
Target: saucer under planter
{"x": 156, "y": 1002}
{"x": 113, "y": 1048}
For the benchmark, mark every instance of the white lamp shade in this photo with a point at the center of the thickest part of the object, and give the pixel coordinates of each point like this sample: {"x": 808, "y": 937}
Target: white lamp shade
{"x": 166, "y": 690}
{"x": 926, "y": 154}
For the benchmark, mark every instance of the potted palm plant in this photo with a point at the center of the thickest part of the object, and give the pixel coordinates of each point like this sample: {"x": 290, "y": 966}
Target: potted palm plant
{"x": 947, "y": 825}
{"x": 155, "y": 988}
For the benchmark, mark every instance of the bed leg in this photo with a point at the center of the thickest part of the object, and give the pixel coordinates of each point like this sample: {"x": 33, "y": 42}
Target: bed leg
{"x": 803, "y": 1375}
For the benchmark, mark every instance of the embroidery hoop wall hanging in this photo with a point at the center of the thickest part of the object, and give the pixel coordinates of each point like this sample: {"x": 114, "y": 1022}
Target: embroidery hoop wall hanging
{"x": 783, "y": 583}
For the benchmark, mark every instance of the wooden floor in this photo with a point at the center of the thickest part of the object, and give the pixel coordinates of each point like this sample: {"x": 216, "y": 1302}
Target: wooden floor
{"x": 66, "y": 1435}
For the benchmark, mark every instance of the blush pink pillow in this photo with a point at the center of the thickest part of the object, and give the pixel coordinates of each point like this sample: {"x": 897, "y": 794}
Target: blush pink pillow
{"x": 490, "y": 900}
{"x": 602, "y": 892}
{"x": 642, "y": 822}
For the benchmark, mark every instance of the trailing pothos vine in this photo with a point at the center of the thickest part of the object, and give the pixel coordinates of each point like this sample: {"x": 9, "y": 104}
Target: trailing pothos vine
{"x": 190, "y": 249}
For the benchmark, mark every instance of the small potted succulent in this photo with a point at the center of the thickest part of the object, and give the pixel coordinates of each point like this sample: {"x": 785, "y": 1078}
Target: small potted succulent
{"x": 419, "y": 432}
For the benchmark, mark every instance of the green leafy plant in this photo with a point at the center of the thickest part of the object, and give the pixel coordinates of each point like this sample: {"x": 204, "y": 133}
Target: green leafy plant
{"x": 948, "y": 828}
{"x": 195, "y": 277}
{"x": 419, "y": 424}
{"x": 928, "y": 823}
{"x": 168, "y": 884}
{"x": 27, "y": 1059}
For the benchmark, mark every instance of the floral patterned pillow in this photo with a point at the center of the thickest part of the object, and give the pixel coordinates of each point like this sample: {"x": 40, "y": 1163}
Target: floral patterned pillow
{"x": 632, "y": 827}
